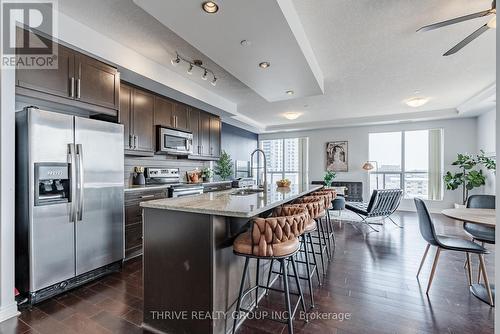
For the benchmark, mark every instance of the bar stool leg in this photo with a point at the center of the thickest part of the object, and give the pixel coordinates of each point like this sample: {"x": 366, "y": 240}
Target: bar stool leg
{"x": 328, "y": 235}
{"x": 238, "y": 304}
{"x": 320, "y": 239}
{"x": 316, "y": 268}
{"x": 257, "y": 284}
{"x": 287, "y": 296}
{"x": 294, "y": 267}
{"x": 326, "y": 238}
{"x": 269, "y": 276}
{"x": 308, "y": 266}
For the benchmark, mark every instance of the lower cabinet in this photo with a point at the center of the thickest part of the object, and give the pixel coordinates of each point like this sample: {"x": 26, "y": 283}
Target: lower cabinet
{"x": 133, "y": 219}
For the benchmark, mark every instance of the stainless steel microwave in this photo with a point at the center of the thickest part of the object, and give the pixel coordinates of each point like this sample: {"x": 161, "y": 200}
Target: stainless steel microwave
{"x": 174, "y": 142}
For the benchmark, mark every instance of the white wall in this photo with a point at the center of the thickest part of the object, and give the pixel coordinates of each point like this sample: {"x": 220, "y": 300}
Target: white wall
{"x": 486, "y": 128}
{"x": 459, "y": 136}
{"x": 8, "y": 306}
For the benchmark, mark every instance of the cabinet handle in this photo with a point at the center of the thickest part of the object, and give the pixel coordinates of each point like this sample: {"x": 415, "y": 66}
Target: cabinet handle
{"x": 130, "y": 141}
{"x": 147, "y": 196}
{"x": 136, "y": 142}
{"x": 198, "y": 149}
{"x": 72, "y": 87}
{"x": 211, "y": 151}
{"x": 78, "y": 88}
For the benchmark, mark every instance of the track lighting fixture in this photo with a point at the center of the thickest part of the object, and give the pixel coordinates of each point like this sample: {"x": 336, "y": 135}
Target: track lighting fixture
{"x": 195, "y": 64}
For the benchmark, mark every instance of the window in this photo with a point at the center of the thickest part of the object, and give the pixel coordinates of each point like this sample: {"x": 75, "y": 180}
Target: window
{"x": 410, "y": 160}
{"x": 286, "y": 159}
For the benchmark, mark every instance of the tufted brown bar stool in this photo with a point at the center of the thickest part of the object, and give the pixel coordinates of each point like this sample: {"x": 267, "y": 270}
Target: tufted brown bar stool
{"x": 321, "y": 236}
{"x": 328, "y": 195}
{"x": 314, "y": 209}
{"x": 273, "y": 238}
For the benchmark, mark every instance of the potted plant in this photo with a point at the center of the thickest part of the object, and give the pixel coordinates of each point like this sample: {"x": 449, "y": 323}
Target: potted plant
{"x": 206, "y": 174}
{"x": 224, "y": 166}
{"x": 329, "y": 176}
{"x": 469, "y": 175}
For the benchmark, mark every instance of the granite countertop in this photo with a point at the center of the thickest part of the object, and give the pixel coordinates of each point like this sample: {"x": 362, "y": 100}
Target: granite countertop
{"x": 164, "y": 186}
{"x": 225, "y": 203}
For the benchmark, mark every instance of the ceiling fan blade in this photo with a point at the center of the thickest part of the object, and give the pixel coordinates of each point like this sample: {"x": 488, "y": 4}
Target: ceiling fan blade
{"x": 456, "y": 20}
{"x": 467, "y": 40}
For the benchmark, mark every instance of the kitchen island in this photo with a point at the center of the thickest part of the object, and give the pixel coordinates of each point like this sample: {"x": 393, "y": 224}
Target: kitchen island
{"x": 191, "y": 276}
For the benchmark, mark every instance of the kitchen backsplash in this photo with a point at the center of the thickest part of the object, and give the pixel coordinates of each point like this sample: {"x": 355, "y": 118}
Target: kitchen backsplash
{"x": 161, "y": 161}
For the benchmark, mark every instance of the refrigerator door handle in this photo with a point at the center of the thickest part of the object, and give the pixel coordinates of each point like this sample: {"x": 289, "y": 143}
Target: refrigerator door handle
{"x": 79, "y": 154}
{"x": 72, "y": 164}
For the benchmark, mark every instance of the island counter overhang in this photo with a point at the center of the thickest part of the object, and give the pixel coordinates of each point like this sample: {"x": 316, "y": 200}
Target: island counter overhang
{"x": 191, "y": 276}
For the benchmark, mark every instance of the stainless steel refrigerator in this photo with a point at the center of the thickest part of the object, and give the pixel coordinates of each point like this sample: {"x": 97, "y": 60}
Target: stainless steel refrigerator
{"x": 69, "y": 201}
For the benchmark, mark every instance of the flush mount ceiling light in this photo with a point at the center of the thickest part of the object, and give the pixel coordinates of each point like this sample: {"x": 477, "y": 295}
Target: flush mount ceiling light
{"x": 290, "y": 92}
{"x": 210, "y": 7}
{"x": 195, "y": 64}
{"x": 416, "y": 102}
{"x": 264, "y": 64}
{"x": 291, "y": 115}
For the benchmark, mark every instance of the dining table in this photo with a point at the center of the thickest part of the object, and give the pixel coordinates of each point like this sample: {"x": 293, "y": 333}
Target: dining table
{"x": 486, "y": 217}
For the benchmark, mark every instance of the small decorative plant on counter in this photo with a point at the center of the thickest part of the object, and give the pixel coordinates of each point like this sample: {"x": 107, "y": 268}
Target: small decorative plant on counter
{"x": 207, "y": 174}
{"x": 329, "y": 176}
{"x": 224, "y": 166}
{"x": 469, "y": 177}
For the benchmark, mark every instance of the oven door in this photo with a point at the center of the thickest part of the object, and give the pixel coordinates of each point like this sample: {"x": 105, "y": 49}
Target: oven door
{"x": 175, "y": 142}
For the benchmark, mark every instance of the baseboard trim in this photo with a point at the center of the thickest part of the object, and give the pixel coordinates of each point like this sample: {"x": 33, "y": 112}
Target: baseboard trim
{"x": 8, "y": 311}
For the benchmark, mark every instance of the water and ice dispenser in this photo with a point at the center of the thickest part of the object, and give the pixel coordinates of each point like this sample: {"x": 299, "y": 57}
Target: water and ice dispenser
{"x": 52, "y": 183}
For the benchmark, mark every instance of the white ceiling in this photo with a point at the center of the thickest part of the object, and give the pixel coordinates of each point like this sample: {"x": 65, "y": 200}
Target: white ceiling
{"x": 273, "y": 38}
{"x": 368, "y": 51}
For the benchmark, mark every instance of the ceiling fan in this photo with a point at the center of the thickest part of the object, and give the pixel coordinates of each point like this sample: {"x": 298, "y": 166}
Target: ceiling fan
{"x": 491, "y": 24}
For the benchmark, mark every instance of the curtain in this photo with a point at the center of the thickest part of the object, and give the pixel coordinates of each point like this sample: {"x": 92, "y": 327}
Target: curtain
{"x": 304, "y": 160}
{"x": 435, "y": 164}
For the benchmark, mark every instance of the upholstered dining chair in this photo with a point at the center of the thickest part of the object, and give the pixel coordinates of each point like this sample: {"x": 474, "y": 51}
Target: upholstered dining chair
{"x": 442, "y": 242}
{"x": 478, "y": 232}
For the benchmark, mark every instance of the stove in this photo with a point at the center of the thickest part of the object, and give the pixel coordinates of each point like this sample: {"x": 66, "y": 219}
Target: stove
{"x": 172, "y": 177}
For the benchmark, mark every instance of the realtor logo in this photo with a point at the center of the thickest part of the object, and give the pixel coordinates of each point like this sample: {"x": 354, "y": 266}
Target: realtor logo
{"x": 28, "y": 31}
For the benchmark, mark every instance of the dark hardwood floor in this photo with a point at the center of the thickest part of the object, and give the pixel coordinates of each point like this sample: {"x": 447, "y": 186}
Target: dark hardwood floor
{"x": 372, "y": 279}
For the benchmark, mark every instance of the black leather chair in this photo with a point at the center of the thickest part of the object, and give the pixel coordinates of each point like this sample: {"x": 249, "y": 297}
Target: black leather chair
{"x": 447, "y": 243}
{"x": 383, "y": 203}
{"x": 478, "y": 232}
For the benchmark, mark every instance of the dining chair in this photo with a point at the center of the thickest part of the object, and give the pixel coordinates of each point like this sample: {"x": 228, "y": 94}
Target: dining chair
{"x": 442, "y": 242}
{"x": 480, "y": 233}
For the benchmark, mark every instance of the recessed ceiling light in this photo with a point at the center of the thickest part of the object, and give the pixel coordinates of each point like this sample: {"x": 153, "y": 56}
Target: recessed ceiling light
{"x": 210, "y": 7}
{"x": 264, "y": 64}
{"x": 290, "y": 92}
{"x": 416, "y": 102}
{"x": 291, "y": 115}
{"x": 245, "y": 43}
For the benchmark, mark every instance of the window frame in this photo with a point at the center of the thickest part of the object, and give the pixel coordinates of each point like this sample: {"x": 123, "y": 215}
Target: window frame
{"x": 283, "y": 155}
{"x": 403, "y": 171}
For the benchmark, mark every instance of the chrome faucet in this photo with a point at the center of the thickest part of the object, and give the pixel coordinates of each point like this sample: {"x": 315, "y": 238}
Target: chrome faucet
{"x": 265, "y": 166}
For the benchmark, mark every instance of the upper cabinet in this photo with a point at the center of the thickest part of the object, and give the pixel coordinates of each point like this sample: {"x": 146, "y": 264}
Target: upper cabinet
{"x": 79, "y": 81}
{"x": 96, "y": 83}
{"x": 206, "y": 129}
{"x": 215, "y": 136}
{"x": 163, "y": 112}
{"x": 180, "y": 116}
{"x": 137, "y": 117}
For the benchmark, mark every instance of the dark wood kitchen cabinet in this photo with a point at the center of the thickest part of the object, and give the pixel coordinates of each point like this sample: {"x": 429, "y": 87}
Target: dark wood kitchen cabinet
{"x": 136, "y": 114}
{"x": 215, "y": 136}
{"x": 180, "y": 116}
{"x": 96, "y": 82}
{"x": 133, "y": 219}
{"x": 204, "y": 134}
{"x": 206, "y": 129}
{"x": 78, "y": 81}
{"x": 163, "y": 111}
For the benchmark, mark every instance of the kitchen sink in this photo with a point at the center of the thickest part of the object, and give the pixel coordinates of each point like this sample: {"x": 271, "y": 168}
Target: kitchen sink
{"x": 244, "y": 192}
